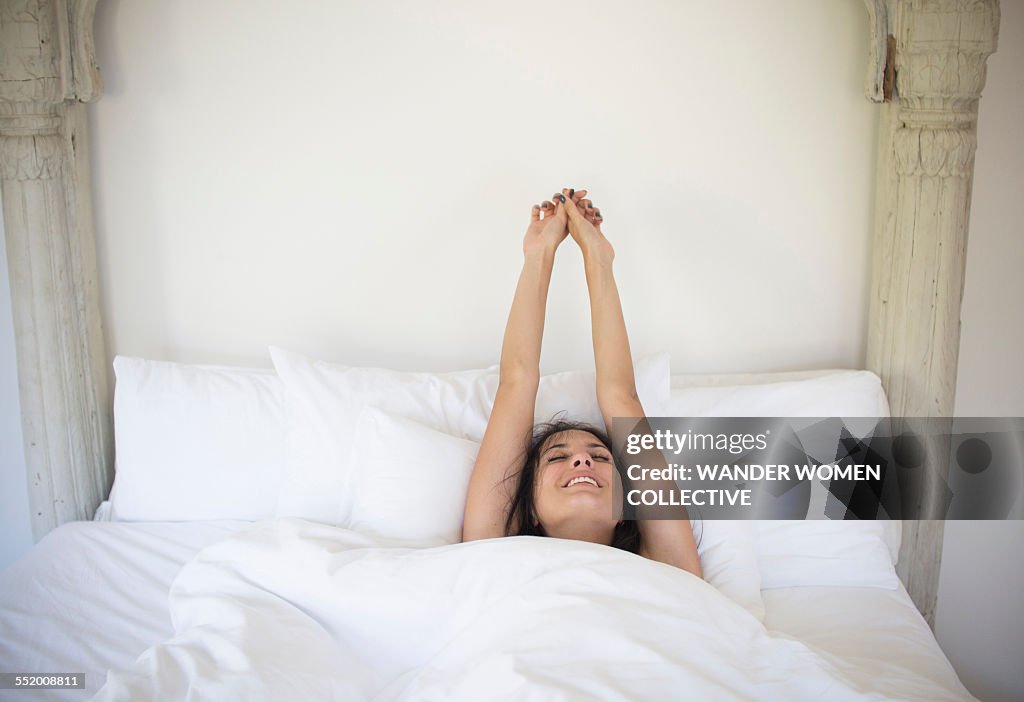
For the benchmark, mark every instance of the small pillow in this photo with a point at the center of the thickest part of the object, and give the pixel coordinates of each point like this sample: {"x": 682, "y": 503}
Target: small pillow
{"x": 824, "y": 553}
{"x": 196, "y": 442}
{"x": 728, "y": 557}
{"x": 409, "y": 482}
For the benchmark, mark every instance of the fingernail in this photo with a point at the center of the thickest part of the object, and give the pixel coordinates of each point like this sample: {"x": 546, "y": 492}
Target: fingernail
{"x": 571, "y": 192}
{"x": 560, "y": 198}
{"x": 545, "y": 205}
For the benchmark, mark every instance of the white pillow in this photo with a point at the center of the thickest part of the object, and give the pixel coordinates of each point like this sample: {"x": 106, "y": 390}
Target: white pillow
{"x": 409, "y": 481}
{"x": 728, "y": 557}
{"x": 575, "y": 392}
{"x": 846, "y": 393}
{"x": 824, "y": 553}
{"x": 196, "y": 442}
{"x": 325, "y": 400}
{"x": 832, "y": 393}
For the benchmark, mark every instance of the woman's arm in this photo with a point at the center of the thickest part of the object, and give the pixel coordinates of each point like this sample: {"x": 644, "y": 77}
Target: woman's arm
{"x": 511, "y": 422}
{"x": 666, "y": 540}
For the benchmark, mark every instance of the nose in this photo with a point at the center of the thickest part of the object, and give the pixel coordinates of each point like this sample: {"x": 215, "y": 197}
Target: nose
{"x": 581, "y": 459}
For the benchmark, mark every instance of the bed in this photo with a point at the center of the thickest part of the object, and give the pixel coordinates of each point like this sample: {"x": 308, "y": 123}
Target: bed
{"x": 101, "y": 597}
{"x": 378, "y": 601}
{"x": 92, "y": 596}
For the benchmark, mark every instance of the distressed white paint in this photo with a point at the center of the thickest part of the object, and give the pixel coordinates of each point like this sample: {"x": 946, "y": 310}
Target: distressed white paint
{"x": 880, "y": 16}
{"x": 923, "y": 195}
{"x": 46, "y": 68}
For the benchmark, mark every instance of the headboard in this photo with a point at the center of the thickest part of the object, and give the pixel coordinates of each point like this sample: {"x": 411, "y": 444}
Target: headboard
{"x": 926, "y": 71}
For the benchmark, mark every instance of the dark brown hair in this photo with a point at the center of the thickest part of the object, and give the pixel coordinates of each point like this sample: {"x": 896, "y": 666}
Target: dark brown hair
{"x": 521, "y": 522}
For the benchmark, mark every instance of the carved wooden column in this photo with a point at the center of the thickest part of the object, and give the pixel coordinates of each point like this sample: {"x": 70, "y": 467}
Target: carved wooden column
{"x": 936, "y": 50}
{"x": 47, "y": 70}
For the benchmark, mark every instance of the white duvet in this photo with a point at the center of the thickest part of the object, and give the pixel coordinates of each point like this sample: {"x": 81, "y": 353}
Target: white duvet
{"x": 292, "y": 610}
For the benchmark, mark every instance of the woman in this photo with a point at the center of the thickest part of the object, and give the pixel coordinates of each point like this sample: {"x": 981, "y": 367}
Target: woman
{"x": 564, "y": 473}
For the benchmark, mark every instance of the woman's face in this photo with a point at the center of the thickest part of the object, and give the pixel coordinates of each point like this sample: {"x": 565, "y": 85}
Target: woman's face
{"x": 575, "y": 485}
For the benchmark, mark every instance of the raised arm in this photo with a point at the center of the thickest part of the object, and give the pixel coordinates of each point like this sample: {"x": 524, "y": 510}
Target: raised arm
{"x": 511, "y": 422}
{"x": 668, "y": 541}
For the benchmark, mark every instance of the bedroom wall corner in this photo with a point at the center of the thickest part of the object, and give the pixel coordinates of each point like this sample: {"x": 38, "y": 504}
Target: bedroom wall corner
{"x": 980, "y": 606}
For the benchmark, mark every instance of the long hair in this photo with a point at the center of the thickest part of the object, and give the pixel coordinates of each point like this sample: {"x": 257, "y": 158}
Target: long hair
{"x": 520, "y": 521}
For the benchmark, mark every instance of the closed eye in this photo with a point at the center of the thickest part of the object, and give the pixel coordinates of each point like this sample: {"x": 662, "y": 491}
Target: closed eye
{"x": 552, "y": 459}
{"x": 599, "y": 457}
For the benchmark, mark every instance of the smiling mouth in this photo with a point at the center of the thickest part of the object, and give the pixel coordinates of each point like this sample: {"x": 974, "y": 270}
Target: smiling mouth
{"x": 586, "y": 479}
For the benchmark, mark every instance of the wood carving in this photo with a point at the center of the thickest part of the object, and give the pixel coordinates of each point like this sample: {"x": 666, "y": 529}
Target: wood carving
{"x": 923, "y": 194}
{"x": 47, "y": 67}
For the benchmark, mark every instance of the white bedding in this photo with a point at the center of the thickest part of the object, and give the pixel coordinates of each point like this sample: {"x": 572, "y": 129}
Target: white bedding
{"x": 877, "y": 632}
{"x": 93, "y": 596}
{"x": 312, "y": 613}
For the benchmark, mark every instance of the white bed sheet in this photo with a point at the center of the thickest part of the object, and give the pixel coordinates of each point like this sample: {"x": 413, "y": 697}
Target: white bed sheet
{"x": 878, "y": 632}
{"x": 93, "y": 595}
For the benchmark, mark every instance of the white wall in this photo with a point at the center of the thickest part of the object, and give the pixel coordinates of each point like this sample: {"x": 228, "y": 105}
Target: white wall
{"x": 15, "y": 521}
{"x": 980, "y": 607}
{"x": 353, "y": 179}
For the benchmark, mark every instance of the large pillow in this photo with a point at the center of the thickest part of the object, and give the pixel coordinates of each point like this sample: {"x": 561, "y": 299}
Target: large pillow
{"x": 828, "y": 393}
{"x": 843, "y": 393}
{"x": 325, "y": 400}
{"x": 196, "y": 442}
{"x": 575, "y": 392}
{"x": 824, "y": 553}
{"x": 410, "y": 481}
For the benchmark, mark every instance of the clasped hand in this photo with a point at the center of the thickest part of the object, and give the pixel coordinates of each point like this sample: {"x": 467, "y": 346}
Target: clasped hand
{"x": 567, "y": 213}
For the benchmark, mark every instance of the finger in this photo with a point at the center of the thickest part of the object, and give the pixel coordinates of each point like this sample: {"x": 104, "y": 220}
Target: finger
{"x": 561, "y": 201}
{"x": 535, "y": 213}
{"x": 573, "y": 212}
{"x": 548, "y": 208}
{"x": 579, "y": 195}
{"x": 597, "y": 217}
